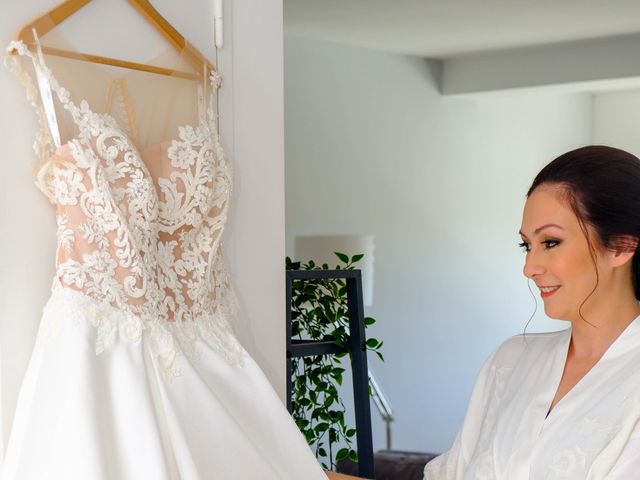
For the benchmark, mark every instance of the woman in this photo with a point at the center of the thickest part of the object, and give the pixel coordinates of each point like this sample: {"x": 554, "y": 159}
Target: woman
{"x": 566, "y": 405}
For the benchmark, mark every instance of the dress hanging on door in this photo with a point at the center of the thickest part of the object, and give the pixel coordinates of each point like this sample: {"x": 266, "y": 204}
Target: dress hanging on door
{"x": 136, "y": 373}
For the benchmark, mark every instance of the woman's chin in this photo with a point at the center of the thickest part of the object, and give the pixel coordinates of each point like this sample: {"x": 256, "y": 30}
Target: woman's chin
{"x": 554, "y": 313}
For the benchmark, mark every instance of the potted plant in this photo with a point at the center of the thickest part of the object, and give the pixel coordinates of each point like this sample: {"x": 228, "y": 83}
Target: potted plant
{"x": 319, "y": 312}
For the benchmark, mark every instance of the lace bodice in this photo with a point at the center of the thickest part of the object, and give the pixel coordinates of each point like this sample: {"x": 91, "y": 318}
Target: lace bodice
{"x": 139, "y": 230}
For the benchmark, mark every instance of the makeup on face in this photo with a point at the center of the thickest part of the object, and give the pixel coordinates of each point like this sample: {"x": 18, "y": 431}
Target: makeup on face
{"x": 558, "y": 257}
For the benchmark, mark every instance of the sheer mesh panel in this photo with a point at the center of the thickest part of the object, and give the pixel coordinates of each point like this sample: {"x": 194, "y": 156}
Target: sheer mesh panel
{"x": 140, "y": 183}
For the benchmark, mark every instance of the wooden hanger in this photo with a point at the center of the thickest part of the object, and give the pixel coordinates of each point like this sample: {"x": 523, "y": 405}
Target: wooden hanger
{"x": 48, "y": 21}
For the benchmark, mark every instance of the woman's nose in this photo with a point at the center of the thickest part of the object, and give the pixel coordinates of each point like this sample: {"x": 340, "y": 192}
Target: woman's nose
{"x": 532, "y": 266}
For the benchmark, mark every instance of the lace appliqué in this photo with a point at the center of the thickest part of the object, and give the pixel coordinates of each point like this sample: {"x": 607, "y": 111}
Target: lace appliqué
{"x": 140, "y": 261}
{"x": 166, "y": 339}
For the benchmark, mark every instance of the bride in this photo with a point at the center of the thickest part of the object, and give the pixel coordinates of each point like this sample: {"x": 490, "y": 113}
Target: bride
{"x": 566, "y": 404}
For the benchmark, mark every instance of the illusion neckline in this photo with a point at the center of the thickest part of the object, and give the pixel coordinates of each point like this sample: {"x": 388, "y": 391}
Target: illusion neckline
{"x": 205, "y": 116}
{"x": 64, "y": 149}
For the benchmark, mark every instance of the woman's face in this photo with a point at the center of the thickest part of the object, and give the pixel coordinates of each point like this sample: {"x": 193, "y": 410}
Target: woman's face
{"x": 558, "y": 259}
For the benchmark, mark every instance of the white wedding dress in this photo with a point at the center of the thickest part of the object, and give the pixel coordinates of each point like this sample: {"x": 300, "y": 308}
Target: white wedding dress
{"x": 136, "y": 373}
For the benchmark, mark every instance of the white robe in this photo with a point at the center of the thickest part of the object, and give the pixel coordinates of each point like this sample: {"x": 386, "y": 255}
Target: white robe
{"x": 592, "y": 433}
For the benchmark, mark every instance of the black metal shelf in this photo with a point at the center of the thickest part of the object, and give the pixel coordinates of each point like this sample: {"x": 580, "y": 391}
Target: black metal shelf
{"x": 356, "y": 347}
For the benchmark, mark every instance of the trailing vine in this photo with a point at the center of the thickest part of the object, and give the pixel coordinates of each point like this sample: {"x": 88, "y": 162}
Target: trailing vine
{"x": 319, "y": 312}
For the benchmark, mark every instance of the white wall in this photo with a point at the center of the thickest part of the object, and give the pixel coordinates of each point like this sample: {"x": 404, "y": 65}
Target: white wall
{"x": 616, "y": 117}
{"x": 372, "y": 147}
{"x": 252, "y": 129}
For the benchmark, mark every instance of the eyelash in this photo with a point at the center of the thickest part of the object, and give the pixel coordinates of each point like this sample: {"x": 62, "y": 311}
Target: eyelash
{"x": 548, "y": 244}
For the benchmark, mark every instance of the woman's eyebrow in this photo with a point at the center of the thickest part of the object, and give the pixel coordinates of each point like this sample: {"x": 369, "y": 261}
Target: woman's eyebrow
{"x": 539, "y": 229}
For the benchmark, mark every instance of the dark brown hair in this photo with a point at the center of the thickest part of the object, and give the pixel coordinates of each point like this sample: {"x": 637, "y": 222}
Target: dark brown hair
{"x": 602, "y": 186}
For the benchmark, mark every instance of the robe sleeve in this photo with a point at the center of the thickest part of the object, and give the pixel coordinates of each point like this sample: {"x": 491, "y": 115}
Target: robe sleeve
{"x": 452, "y": 464}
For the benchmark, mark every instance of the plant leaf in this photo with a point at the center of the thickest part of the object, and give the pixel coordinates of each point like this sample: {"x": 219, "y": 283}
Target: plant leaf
{"x": 372, "y": 343}
{"x": 343, "y": 258}
{"x": 353, "y": 456}
{"x": 342, "y": 453}
{"x": 321, "y": 427}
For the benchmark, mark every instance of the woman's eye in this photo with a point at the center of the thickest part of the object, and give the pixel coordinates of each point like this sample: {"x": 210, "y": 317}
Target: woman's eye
{"x": 551, "y": 243}
{"x": 547, "y": 245}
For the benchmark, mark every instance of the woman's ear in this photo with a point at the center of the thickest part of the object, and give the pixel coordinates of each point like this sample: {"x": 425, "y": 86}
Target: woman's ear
{"x": 622, "y": 250}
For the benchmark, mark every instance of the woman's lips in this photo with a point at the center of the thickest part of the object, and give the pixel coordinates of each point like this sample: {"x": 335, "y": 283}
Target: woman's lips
{"x": 546, "y": 292}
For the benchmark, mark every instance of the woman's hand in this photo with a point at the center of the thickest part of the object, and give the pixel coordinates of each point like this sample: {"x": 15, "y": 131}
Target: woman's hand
{"x": 339, "y": 476}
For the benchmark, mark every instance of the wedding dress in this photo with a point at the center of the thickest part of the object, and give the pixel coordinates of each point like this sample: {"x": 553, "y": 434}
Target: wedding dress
{"x": 136, "y": 373}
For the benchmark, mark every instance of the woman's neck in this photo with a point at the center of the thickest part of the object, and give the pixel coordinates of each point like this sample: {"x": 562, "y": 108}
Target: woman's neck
{"x": 592, "y": 335}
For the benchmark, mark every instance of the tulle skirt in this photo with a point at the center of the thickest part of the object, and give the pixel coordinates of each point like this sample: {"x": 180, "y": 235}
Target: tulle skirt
{"x": 115, "y": 416}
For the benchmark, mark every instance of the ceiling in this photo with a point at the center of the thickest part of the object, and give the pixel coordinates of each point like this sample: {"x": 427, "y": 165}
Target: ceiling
{"x": 450, "y": 28}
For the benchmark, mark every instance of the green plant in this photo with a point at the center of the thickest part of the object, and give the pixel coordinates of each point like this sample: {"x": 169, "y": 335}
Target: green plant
{"x": 319, "y": 312}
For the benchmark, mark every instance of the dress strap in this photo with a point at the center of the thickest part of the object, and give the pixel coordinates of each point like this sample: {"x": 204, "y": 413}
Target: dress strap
{"x": 208, "y": 97}
{"x": 202, "y": 89}
{"x": 44, "y": 85}
{"x": 47, "y": 84}
{"x": 39, "y": 64}
{"x": 44, "y": 144}
{"x": 215, "y": 80}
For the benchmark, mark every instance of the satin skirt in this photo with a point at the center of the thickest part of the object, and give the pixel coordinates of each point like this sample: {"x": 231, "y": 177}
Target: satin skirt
{"x": 115, "y": 416}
